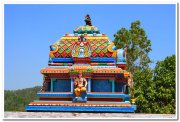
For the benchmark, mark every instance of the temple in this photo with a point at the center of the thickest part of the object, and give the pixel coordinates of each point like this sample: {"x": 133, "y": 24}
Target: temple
{"x": 85, "y": 73}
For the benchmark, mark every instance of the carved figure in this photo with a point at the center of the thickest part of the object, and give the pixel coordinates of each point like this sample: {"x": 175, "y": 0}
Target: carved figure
{"x": 79, "y": 82}
{"x": 88, "y": 20}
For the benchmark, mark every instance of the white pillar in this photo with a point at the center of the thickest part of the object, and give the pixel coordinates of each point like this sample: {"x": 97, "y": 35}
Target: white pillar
{"x": 72, "y": 84}
{"x": 89, "y": 84}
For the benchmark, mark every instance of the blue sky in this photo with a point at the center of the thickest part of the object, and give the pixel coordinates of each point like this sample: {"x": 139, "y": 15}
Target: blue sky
{"x": 30, "y": 29}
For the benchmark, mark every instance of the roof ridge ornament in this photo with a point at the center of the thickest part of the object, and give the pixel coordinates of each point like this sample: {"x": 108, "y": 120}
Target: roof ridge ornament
{"x": 88, "y": 20}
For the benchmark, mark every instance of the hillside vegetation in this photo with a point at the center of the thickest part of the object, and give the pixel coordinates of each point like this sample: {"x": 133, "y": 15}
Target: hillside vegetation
{"x": 16, "y": 100}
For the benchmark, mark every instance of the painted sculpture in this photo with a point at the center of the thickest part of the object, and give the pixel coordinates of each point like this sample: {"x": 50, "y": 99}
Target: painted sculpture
{"x": 81, "y": 48}
{"x": 88, "y": 20}
{"x": 80, "y": 89}
{"x": 85, "y": 73}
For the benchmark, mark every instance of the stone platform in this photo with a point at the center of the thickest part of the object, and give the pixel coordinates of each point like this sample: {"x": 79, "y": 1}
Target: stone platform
{"x": 72, "y": 115}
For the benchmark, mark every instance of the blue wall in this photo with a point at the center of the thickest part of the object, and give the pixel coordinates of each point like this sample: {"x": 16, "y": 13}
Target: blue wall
{"x": 101, "y": 86}
{"x": 119, "y": 87}
{"x": 62, "y": 86}
{"x": 96, "y": 86}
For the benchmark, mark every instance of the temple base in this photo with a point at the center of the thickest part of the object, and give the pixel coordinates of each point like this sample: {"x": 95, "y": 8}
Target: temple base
{"x": 58, "y": 106}
{"x": 80, "y": 109}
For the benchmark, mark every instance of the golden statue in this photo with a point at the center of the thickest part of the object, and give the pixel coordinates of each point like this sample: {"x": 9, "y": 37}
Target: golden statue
{"x": 79, "y": 82}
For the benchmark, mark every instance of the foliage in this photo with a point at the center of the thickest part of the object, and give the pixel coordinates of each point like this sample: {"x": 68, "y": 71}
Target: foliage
{"x": 16, "y": 100}
{"x": 154, "y": 90}
{"x": 144, "y": 91}
{"x": 165, "y": 79}
{"x": 137, "y": 44}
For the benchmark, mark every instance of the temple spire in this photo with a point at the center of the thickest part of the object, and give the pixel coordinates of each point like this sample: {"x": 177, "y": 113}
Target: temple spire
{"x": 88, "y": 20}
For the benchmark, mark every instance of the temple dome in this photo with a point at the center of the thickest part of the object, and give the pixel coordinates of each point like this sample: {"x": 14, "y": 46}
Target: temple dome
{"x": 86, "y": 29}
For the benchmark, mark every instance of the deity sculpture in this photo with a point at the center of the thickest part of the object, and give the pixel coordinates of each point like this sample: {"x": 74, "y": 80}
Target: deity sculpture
{"x": 88, "y": 20}
{"x": 80, "y": 84}
{"x": 81, "y": 48}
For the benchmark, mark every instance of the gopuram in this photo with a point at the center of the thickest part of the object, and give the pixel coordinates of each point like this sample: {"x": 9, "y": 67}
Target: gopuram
{"x": 85, "y": 73}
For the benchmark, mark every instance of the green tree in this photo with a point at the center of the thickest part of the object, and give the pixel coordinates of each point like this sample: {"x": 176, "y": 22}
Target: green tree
{"x": 165, "y": 79}
{"x": 137, "y": 44}
{"x": 144, "y": 90}
{"x": 138, "y": 47}
{"x": 154, "y": 90}
{"x": 16, "y": 100}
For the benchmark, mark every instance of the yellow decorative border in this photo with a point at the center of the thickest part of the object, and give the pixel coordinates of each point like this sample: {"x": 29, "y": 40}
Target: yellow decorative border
{"x": 87, "y": 38}
{"x": 108, "y": 70}
{"x": 69, "y": 38}
{"x": 46, "y": 70}
{"x": 97, "y": 38}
